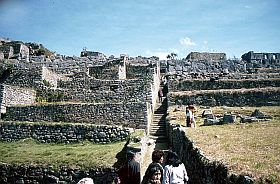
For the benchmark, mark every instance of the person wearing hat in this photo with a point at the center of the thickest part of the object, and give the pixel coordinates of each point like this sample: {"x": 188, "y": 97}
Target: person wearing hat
{"x": 129, "y": 173}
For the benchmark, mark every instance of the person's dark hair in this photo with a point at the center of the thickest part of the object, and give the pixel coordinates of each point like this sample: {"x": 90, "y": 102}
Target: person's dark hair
{"x": 173, "y": 159}
{"x": 130, "y": 155}
{"x": 156, "y": 155}
{"x": 152, "y": 169}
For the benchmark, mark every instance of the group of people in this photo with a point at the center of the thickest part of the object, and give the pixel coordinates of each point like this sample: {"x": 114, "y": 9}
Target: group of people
{"x": 172, "y": 172}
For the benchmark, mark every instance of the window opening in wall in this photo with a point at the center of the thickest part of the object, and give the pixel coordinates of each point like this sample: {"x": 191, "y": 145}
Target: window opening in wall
{"x": 114, "y": 88}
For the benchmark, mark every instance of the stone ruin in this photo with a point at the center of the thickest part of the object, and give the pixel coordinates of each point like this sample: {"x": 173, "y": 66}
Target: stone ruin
{"x": 109, "y": 95}
{"x": 216, "y": 119}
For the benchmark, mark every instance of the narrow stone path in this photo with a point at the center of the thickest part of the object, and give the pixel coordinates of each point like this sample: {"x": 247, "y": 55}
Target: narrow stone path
{"x": 157, "y": 134}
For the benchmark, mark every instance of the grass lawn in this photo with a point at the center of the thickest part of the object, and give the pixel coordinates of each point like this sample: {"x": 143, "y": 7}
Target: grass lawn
{"x": 251, "y": 148}
{"x": 85, "y": 155}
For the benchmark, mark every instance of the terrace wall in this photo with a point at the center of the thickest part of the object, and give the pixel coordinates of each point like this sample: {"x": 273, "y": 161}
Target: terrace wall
{"x": 47, "y": 174}
{"x": 195, "y": 84}
{"x": 200, "y": 169}
{"x": 62, "y": 133}
{"x": 132, "y": 115}
{"x": 13, "y": 95}
{"x": 87, "y": 89}
{"x": 228, "y": 97}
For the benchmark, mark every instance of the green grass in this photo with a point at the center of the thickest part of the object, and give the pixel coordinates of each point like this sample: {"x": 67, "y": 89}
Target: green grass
{"x": 251, "y": 148}
{"x": 85, "y": 155}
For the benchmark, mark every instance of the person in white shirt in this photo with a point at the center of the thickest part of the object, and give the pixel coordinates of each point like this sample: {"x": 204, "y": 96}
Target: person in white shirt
{"x": 174, "y": 171}
{"x": 190, "y": 121}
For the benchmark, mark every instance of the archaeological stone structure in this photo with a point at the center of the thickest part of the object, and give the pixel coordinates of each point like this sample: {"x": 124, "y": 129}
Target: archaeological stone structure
{"x": 63, "y": 99}
{"x": 206, "y": 56}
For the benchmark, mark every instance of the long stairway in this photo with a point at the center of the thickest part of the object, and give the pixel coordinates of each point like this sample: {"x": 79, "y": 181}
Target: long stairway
{"x": 158, "y": 126}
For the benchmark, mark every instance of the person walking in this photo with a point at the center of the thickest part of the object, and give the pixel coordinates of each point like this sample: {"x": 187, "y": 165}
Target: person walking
{"x": 129, "y": 173}
{"x": 157, "y": 159}
{"x": 174, "y": 171}
{"x": 160, "y": 95}
{"x": 190, "y": 120}
{"x": 153, "y": 174}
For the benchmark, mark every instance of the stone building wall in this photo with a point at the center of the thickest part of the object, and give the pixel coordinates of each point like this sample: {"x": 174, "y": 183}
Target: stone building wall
{"x": 228, "y": 97}
{"x": 132, "y": 115}
{"x": 202, "y": 56}
{"x": 47, "y": 174}
{"x": 26, "y": 77}
{"x": 50, "y": 77}
{"x": 13, "y": 95}
{"x": 195, "y": 84}
{"x": 262, "y": 59}
{"x": 62, "y": 133}
{"x": 7, "y": 50}
{"x": 87, "y": 89}
{"x": 200, "y": 169}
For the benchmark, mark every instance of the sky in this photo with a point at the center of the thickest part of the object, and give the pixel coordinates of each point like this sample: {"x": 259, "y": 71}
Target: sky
{"x": 144, "y": 27}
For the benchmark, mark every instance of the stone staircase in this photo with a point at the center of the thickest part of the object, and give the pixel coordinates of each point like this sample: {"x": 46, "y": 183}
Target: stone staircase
{"x": 158, "y": 126}
{"x": 2, "y": 107}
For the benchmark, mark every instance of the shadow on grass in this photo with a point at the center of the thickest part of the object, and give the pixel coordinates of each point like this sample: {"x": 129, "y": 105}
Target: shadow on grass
{"x": 121, "y": 156}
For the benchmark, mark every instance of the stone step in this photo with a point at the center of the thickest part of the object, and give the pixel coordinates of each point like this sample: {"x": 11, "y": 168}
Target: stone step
{"x": 158, "y": 123}
{"x": 159, "y": 139}
{"x": 158, "y": 133}
{"x": 162, "y": 129}
{"x": 156, "y": 127}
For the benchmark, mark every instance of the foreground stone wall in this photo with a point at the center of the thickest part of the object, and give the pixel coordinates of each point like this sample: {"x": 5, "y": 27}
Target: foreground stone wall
{"x": 62, "y": 133}
{"x": 228, "y": 97}
{"x": 129, "y": 114}
{"x": 37, "y": 174}
{"x": 201, "y": 169}
{"x": 188, "y": 85}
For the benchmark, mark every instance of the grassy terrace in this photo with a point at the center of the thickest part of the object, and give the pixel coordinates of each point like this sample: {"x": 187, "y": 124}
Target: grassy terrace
{"x": 84, "y": 155}
{"x": 251, "y": 148}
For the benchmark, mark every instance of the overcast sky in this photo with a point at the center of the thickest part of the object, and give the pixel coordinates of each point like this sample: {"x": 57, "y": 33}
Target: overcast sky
{"x": 144, "y": 27}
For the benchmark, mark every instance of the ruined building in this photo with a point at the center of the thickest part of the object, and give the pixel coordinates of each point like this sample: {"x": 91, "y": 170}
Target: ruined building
{"x": 14, "y": 49}
{"x": 261, "y": 58}
{"x": 206, "y": 56}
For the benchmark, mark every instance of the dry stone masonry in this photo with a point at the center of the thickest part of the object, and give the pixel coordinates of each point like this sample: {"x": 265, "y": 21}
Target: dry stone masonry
{"x": 62, "y": 133}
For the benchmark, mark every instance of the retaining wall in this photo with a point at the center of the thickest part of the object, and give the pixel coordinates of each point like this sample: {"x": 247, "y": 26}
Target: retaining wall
{"x": 62, "y": 133}
{"x": 128, "y": 114}
{"x": 37, "y": 174}
{"x": 188, "y": 85}
{"x": 13, "y": 95}
{"x": 228, "y": 97}
{"x": 201, "y": 169}
{"x": 100, "y": 91}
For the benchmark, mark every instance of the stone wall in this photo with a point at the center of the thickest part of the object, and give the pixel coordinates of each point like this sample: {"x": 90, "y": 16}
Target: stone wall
{"x": 50, "y": 77}
{"x": 62, "y": 133}
{"x": 201, "y": 169}
{"x": 13, "y": 95}
{"x": 37, "y": 174}
{"x": 195, "y": 84}
{"x": 228, "y": 97}
{"x": 139, "y": 71}
{"x": 87, "y": 89}
{"x": 132, "y": 115}
{"x": 201, "y": 56}
{"x": 25, "y": 77}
